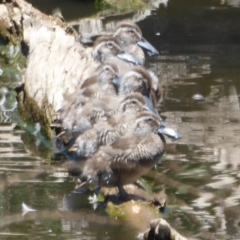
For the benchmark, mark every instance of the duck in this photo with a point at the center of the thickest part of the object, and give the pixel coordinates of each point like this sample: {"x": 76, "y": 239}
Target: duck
{"x": 132, "y": 41}
{"x": 108, "y": 48}
{"x": 105, "y": 47}
{"x": 138, "y": 79}
{"x": 135, "y": 80}
{"x": 103, "y": 81}
{"x": 108, "y": 129}
{"x": 99, "y": 85}
{"x": 127, "y": 159}
{"x": 80, "y": 114}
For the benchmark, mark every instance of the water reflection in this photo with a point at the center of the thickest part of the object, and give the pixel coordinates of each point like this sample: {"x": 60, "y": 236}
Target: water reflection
{"x": 233, "y": 3}
{"x": 199, "y": 54}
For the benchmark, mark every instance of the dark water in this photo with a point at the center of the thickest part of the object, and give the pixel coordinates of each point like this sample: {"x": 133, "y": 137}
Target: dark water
{"x": 199, "y": 66}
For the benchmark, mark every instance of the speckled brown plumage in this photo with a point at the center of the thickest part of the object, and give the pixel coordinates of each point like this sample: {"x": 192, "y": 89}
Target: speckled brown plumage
{"x": 109, "y": 129}
{"x": 136, "y": 80}
{"x": 128, "y": 34}
{"x": 101, "y": 84}
{"x": 127, "y": 159}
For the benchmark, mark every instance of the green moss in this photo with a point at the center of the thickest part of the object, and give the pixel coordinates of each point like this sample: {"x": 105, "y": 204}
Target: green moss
{"x": 122, "y": 6}
{"x": 101, "y": 5}
{"x": 30, "y": 112}
{"x": 115, "y": 211}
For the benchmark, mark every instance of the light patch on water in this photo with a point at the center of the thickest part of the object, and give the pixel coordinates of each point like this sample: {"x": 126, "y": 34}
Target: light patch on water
{"x": 233, "y": 3}
{"x": 203, "y": 201}
{"x": 26, "y": 209}
{"x": 221, "y": 181}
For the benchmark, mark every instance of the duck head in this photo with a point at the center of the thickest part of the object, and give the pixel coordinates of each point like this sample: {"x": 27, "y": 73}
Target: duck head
{"x": 169, "y": 132}
{"x": 148, "y": 122}
{"x": 133, "y": 103}
{"x": 108, "y": 73}
{"x": 105, "y": 47}
{"x": 129, "y": 33}
{"x": 138, "y": 80}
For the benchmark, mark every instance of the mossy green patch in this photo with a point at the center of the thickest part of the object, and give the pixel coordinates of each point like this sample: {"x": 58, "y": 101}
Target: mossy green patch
{"x": 114, "y": 210}
{"x": 122, "y": 6}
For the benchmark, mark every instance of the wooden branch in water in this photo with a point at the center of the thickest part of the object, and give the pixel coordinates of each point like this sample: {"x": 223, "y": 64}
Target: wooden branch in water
{"x": 160, "y": 229}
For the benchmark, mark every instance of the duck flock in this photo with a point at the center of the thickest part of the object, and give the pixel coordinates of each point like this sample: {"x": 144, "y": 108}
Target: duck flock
{"x": 110, "y": 123}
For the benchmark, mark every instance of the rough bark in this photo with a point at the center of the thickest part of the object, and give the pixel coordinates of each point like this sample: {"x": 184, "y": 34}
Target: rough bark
{"x": 56, "y": 62}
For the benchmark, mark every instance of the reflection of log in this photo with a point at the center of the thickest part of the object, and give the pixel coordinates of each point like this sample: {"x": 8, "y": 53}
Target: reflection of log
{"x": 160, "y": 229}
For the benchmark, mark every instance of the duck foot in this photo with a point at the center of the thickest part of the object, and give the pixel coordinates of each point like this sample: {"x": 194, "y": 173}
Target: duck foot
{"x": 97, "y": 190}
{"x": 123, "y": 195}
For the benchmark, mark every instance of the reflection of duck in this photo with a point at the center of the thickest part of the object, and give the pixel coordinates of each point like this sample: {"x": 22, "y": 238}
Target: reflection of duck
{"x": 128, "y": 158}
{"x": 11, "y": 109}
{"x": 4, "y": 92}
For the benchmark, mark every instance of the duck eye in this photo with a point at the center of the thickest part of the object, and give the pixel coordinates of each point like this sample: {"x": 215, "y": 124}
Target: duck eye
{"x": 109, "y": 45}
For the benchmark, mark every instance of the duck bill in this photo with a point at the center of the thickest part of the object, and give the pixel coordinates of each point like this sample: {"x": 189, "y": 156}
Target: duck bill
{"x": 143, "y": 43}
{"x": 160, "y": 130}
{"x": 117, "y": 81}
{"x": 150, "y": 105}
{"x": 169, "y": 132}
{"x": 73, "y": 148}
{"x": 128, "y": 58}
